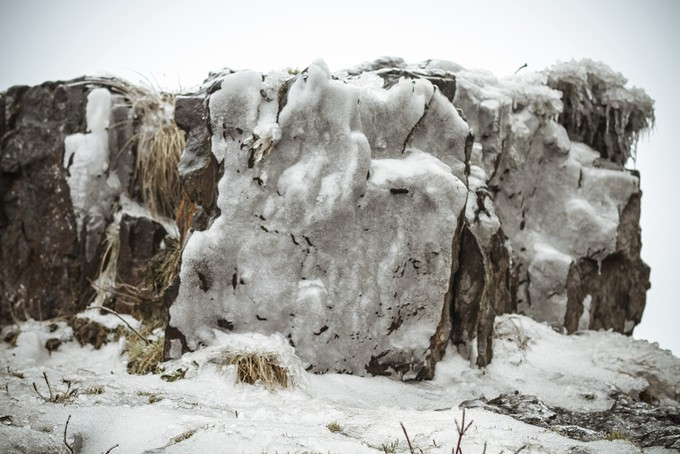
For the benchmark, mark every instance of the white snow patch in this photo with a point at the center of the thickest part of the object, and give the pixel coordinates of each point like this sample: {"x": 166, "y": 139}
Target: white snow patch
{"x": 584, "y": 321}
{"x": 528, "y": 356}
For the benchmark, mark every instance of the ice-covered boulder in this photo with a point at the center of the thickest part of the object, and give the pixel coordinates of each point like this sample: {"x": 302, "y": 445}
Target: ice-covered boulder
{"x": 370, "y": 216}
{"x": 571, "y": 212}
{"x": 339, "y": 204}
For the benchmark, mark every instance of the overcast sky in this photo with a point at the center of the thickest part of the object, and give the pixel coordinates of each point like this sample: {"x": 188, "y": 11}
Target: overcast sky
{"x": 176, "y": 44}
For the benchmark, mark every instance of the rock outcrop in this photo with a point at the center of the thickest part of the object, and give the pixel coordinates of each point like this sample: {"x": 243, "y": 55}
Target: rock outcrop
{"x": 44, "y": 269}
{"x": 345, "y": 203}
{"x": 67, "y": 169}
{"x": 370, "y": 216}
{"x": 571, "y": 212}
{"x": 629, "y": 418}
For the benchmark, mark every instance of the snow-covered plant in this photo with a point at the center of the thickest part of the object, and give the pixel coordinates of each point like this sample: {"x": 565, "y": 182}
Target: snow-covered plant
{"x": 56, "y": 397}
{"x": 334, "y": 427}
{"x": 144, "y": 356}
{"x": 258, "y": 367}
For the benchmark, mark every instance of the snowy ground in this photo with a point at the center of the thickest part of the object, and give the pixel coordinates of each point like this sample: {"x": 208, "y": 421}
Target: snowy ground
{"x": 207, "y": 412}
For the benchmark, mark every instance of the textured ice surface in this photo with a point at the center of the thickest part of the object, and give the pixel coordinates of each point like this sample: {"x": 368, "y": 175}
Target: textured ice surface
{"x": 86, "y": 156}
{"x": 339, "y": 206}
{"x": 555, "y": 199}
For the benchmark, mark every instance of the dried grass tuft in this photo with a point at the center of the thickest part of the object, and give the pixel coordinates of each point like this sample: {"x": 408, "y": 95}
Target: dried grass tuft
{"x": 158, "y": 143}
{"x": 252, "y": 368}
{"x": 162, "y": 268}
{"x": 159, "y": 148}
{"x": 144, "y": 357}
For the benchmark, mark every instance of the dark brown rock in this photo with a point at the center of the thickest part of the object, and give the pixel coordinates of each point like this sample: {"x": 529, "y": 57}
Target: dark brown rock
{"x": 482, "y": 291}
{"x": 140, "y": 240}
{"x": 198, "y": 167}
{"x": 630, "y": 418}
{"x": 43, "y": 270}
{"x": 617, "y": 285}
{"x": 445, "y": 81}
{"x": 52, "y": 344}
{"x": 88, "y": 332}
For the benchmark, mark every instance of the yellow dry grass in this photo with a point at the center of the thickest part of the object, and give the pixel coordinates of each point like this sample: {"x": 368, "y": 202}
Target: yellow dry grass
{"x": 158, "y": 152}
{"x": 252, "y": 368}
{"x": 145, "y": 357}
{"x": 158, "y": 143}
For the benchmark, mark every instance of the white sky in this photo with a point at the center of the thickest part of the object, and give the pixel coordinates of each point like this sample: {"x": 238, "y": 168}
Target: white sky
{"x": 177, "y": 44}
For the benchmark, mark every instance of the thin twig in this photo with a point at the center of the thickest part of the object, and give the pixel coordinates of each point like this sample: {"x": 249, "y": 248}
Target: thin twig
{"x": 521, "y": 67}
{"x": 111, "y": 449}
{"x": 49, "y": 388}
{"x": 407, "y": 439}
{"x": 39, "y": 394}
{"x": 461, "y": 432}
{"x": 70, "y": 448}
{"x": 111, "y": 311}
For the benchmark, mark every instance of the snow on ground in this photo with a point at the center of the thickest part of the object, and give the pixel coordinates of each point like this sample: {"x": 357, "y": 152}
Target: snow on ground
{"x": 208, "y": 412}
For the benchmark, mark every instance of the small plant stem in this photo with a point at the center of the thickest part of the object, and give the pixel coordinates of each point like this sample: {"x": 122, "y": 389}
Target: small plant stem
{"x": 70, "y": 448}
{"x": 407, "y": 439}
{"x": 111, "y": 311}
{"x": 49, "y": 388}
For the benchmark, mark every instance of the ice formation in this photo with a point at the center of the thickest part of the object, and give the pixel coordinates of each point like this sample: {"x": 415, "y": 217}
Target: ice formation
{"x": 340, "y": 188}
{"x": 345, "y": 201}
{"x": 565, "y": 207}
{"x": 86, "y": 158}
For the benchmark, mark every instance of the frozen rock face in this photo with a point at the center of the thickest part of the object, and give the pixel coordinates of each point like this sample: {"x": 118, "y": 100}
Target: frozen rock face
{"x": 571, "y": 212}
{"x": 340, "y": 207}
{"x": 316, "y": 195}
{"x": 369, "y": 216}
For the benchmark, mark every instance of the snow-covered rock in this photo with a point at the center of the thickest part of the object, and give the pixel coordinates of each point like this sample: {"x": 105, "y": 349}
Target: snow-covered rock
{"x": 370, "y": 216}
{"x": 571, "y": 213}
{"x": 44, "y": 268}
{"x": 339, "y": 209}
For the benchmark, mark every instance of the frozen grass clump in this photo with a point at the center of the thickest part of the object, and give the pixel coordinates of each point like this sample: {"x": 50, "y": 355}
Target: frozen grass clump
{"x": 145, "y": 351}
{"x": 599, "y": 110}
{"x": 158, "y": 143}
{"x": 256, "y": 359}
{"x": 254, "y": 367}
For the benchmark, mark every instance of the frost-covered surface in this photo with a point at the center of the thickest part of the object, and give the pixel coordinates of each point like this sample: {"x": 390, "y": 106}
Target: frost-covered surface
{"x": 343, "y": 195}
{"x": 558, "y": 200}
{"x": 86, "y": 157}
{"x": 339, "y": 206}
{"x": 147, "y": 414}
